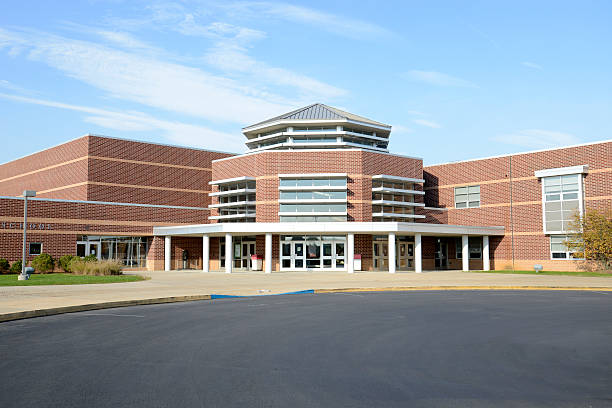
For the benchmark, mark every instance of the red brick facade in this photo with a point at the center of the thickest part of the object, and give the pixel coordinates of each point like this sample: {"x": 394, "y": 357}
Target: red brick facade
{"x": 80, "y": 179}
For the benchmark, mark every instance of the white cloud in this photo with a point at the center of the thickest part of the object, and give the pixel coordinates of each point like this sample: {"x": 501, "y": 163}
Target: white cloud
{"x": 177, "y": 132}
{"x": 400, "y": 129}
{"x": 340, "y": 25}
{"x": 531, "y": 65}
{"x": 151, "y": 81}
{"x": 427, "y": 123}
{"x": 439, "y": 79}
{"x": 234, "y": 59}
{"x": 538, "y": 139}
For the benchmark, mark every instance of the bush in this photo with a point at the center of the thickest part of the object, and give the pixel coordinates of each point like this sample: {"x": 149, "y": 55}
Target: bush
{"x": 43, "y": 263}
{"x": 63, "y": 262}
{"x": 81, "y": 266}
{"x": 15, "y": 267}
{"x": 4, "y": 265}
{"x": 90, "y": 258}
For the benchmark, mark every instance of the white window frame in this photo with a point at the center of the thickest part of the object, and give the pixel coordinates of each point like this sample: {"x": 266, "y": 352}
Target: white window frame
{"x": 563, "y": 171}
{"x": 568, "y": 254}
{"x": 467, "y": 202}
{"x": 30, "y": 248}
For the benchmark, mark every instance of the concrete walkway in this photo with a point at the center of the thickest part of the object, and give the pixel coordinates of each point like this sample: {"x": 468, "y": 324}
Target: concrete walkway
{"x": 193, "y": 283}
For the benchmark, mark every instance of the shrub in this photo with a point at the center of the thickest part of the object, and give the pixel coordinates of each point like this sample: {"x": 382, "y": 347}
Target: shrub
{"x": 90, "y": 258}
{"x": 43, "y": 263}
{"x": 63, "y": 262}
{"x": 15, "y": 267}
{"x": 4, "y": 265}
{"x": 80, "y": 266}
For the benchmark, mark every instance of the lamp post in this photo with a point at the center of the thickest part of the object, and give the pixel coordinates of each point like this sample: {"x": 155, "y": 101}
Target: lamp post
{"x": 26, "y": 194}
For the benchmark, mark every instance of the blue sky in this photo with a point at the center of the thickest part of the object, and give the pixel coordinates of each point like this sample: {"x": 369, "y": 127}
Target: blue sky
{"x": 456, "y": 80}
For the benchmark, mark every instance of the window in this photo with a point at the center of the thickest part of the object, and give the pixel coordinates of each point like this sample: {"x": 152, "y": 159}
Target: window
{"x": 307, "y": 182}
{"x": 474, "y": 247}
{"x": 562, "y": 198}
{"x": 312, "y": 208}
{"x": 468, "y": 196}
{"x": 558, "y": 250}
{"x": 35, "y": 248}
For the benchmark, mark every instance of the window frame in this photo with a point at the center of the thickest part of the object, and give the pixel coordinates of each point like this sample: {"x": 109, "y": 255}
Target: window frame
{"x": 568, "y": 254}
{"x": 580, "y": 200}
{"x": 30, "y": 248}
{"x": 459, "y": 245}
{"x": 467, "y": 194}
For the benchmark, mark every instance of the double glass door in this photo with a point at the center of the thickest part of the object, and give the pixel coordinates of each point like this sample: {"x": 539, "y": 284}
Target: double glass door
{"x": 313, "y": 252}
{"x": 404, "y": 255}
{"x": 85, "y": 248}
{"x": 243, "y": 248}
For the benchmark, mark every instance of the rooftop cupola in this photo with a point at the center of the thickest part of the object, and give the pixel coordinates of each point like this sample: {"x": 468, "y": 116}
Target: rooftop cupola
{"x": 317, "y": 126}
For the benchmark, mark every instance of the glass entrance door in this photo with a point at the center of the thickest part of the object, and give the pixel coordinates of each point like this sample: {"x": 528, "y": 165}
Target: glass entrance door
{"x": 86, "y": 248}
{"x": 313, "y": 252}
{"x": 381, "y": 256}
{"x": 405, "y": 256}
{"x": 441, "y": 255}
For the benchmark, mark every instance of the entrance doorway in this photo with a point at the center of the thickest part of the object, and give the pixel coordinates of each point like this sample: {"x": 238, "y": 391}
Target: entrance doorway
{"x": 243, "y": 248}
{"x": 405, "y": 256}
{"x": 404, "y": 253}
{"x": 441, "y": 255}
{"x": 86, "y": 248}
{"x": 308, "y": 252}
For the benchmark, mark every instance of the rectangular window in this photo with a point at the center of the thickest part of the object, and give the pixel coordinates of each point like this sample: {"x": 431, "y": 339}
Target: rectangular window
{"x": 467, "y": 197}
{"x": 561, "y": 196}
{"x": 35, "y": 248}
{"x": 558, "y": 248}
{"x": 474, "y": 247}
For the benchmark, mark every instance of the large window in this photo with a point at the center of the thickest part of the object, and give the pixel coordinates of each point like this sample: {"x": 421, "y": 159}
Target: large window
{"x": 130, "y": 251}
{"x": 313, "y": 208}
{"x": 467, "y": 197}
{"x": 562, "y": 200}
{"x": 474, "y": 246}
{"x": 558, "y": 249}
{"x": 313, "y": 195}
{"x": 310, "y": 182}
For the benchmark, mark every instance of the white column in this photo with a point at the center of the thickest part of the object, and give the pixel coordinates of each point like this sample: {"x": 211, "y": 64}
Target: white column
{"x": 486, "y": 263}
{"x": 392, "y": 252}
{"x": 350, "y": 253}
{"x": 205, "y": 253}
{"x": 229, "y": 253}
{"x": 167, "y": 252}
{"x": 268, "y": 253}
{"x": 465, "y": 253}
{"x": 418, "y": 254}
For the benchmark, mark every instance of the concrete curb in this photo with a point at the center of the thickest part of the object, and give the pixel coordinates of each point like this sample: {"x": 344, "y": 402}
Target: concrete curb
{"x": 425, "y": 288}
{"x": 97, "y": 306}
{"x": 175, "y": 299}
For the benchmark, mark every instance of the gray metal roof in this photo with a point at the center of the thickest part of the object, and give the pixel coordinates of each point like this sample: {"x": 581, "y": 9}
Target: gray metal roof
{"x": 319, "y": 111}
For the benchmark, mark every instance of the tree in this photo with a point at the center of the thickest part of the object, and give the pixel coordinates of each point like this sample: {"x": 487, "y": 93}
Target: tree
{"x": 43, "y": 263}
{"x": 592, "y": 238}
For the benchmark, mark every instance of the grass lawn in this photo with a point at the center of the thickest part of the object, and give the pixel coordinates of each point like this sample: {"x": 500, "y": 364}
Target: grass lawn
{"x": 600, "y": 274}
{"x": 65, "y": 279}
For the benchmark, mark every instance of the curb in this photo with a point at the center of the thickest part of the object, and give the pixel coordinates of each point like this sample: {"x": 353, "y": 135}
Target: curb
{"x": 175, "y": 299}
{"x": 97, "y": 306}
{"x": 426, "y": 288}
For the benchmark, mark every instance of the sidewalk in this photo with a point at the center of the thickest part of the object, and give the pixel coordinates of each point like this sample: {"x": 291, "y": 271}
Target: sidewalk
{"x": 182, "y": 284}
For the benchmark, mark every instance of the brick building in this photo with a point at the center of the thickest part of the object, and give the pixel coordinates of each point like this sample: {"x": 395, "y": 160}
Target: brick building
{"x": 316, "y": 189}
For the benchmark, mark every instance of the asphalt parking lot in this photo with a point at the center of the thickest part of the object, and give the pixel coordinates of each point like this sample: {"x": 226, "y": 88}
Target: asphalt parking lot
{"x": 394, "y": 349}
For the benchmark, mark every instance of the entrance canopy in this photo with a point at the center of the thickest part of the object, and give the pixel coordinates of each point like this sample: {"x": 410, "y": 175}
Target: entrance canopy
{"x": 251, "y": 228}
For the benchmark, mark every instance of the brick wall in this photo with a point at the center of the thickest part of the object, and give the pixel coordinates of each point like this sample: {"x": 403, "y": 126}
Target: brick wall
{"x": 359, "y": 165}
{"x": 493, "y": 176}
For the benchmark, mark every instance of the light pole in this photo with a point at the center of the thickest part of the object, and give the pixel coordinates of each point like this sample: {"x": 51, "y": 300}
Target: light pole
{"x": 26, "y": 194}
